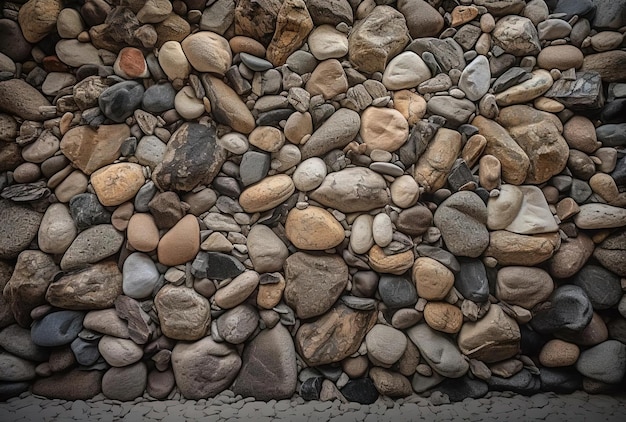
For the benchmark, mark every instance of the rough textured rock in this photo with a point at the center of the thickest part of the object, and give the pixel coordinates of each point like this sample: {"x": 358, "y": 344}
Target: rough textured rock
{"x": 268, "y": 369}
{"x": 318, "y": 344}
{"x": 19, "y": 228}
{"x": 313, "y": 282}
{"x": 183, "y": 313}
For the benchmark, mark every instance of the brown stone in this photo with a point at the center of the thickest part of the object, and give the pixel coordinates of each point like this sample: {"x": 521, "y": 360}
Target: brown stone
{"x": 494, "y": 337}
{"x": 117, "y": 183}
{"x": 293, "y": 25}
{"x": 334, "y": 336}
{"x": 226, "y": 106}
{"x": 37, "y": 18}
{"x": 489, "y": 172}
{"x": 516, "y": 249}
{"x": 142, "y": 233}
{"x": 183, "y": 313}
{"x": 267, "y": 194}
{"x": 181, "y": 243}
{"x": 328, "y": 79}
{"x": 580, "y": 134}
{"x": 270, "y": 295}
{"x": 442, "y": 316}
{"x": 257, "y": 19}
{"x": 434, "y": 165}
{"x": 21, "y": 99}
{"x": 433, "y": 280}
{"x": 95, "y": 287}
{"x": 383, "y": 128}
{"x": 313, "y": 228}
{"x": 391, "y": 264}
{"x": 389, "y": 383}
{"x": 609, "y": 64}
{"x": 560, "y": 57}
{"x": 566, "y": 208}
{"x": 557, "y": 353}
{"x": 411, "y": 105}
{"x": 26, "y": 289}
{"x": 90, "y": 149}
{"x": 314, "y": 282}
{"x": 72, "y": 385}
{"x": 513, "y": 159}
{"x": 523, "y": 286}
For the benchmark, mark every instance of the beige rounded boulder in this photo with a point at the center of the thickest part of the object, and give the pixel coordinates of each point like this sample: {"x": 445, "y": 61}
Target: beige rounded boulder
{"x": 267, "y": 194}
{"x": 313, "y": 228}
{"x": 208, "y": 52}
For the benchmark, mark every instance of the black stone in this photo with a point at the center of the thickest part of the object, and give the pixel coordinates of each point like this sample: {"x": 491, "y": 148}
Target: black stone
{"x": 458, "y": 389}
{"x": 311, "y": 388}
{"x": 614, "y": 112}
{"x": 511, "y": 77}
{"x": 560, "y": 380}
{"x": 87, "y": 211}
{"x": 12, "y": 41}
{"x": 568, "y": 310}
{"x": 227, "y": 185}
{"x": 216, "y": 266}
{"x": 580, "y": 8}
{"x": 610, "y": 14}
{"x": 273, "y": 117}
{"x": 580, "y": 191}
{"x": 472, "y": 280}
{"x": 86, "y": 352}
{"x": 602, "y": 287}
{"x": 468, "y": 130}
{"x": 397, "y": 291}
{"x": 118, "y": 102}
{"x": 12, "y": 389}
{"x": 238, "y": 82}
{"x": 361, "y": 390}
{"x": 524, "y": 383}
{"x": 460, "y": 175}
{"x": 531, "y": 342}
{"x": 612, "y": 135}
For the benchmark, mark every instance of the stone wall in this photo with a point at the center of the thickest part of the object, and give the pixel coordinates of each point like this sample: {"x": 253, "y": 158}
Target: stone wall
{"x": 339, "y": 199}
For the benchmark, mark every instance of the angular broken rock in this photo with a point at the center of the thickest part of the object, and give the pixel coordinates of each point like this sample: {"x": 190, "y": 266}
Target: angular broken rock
{"x": 140, "y": 327}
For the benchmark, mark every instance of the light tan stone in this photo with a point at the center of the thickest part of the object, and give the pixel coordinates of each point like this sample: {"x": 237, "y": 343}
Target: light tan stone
{"x": 267, "y": 138}
{"x": 181, "y": 243}
{"x": 557, "y": 353}
{"x": 208, "y": 52}
{"x": 433, "y": 280}
{"x": 442, "y": 316}
{"x": 313, "y": 228}
{"x": 267, "y": 194}
{"x": 90, "y": 149}
{"x": 411, "y": 105}
{"x": 537, "y": 85}
{"x": 117, "y": 183}
{"x": 489, "y": 172}
{"x": 383, "y": 128}
{"x": 328, "y": 79}
{"x": 560, "y": 57}
{"x": 392, "y": 264}
{"x": 237, "y": 291}
{"x": 434, "y": 165}
{"x": 142, "y": 232}
{"x": 270, "y": 295}
{"x": 517, "y": 249}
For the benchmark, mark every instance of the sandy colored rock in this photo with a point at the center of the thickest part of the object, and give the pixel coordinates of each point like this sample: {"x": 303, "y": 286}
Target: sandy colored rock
{"x": 117, "y": 183}
{"x": 432, "y": 279}
{"x": 208, "y": 52}
{"x": 226, "y": 106}
{"x": 580, "y": 134}
{"x": 328, "y": 79}
{"x": 609, "y": 64}
{"x": 293, "y": 24}
{"x": 383, "y": 128}
{"x": 560, "y": 57}
{"x": 183, "y": 313}
{"x": 267, "y": 194}
{"x": 523, "y": 286}
{"x": 513, "y": 159}
{"x": 435, "y": 163}
{"x": 181, "y": 243}
{"x": 442, "y": 316}
{"x": 411, "y": 105}
{"x": 90, "y": 149}
{"x": 517, "y": 249}
{"x": 557, "y": 353}
{"x": 21, "y": 99}
{"x": 37, "y": 18}
{"x": 142, "y": 232}
{"x": 539, "y": 83}
{"x": 313, "y": 228}
{"x": 391, "y": 264}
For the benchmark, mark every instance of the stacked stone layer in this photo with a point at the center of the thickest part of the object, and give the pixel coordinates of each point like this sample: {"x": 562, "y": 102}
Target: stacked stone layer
{"x": 338, "y": 199}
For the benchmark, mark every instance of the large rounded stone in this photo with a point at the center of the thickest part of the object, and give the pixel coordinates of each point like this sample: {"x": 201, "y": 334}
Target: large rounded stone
{"x": 208, "y": 52}
{"x": 117, "y": 183}
{"x": 523, "y": 286}
{"x": 266, "y": 250}
{"x": 119, "y": 352}
{"x": 91, "y": 246}
{"x": 204, "y": 368}
{"x": 57, "y": 230}
{"x": 432, "y": 279}
{"x": 267, "y": 194}
{"x": 313, "y": 228}
{"x": 126, "y": 383}
{"x": 20, "y": 225}
{"x": 183, "y": 313}
{"x": 385, "y": 344}
{"x": 383, "y": 128}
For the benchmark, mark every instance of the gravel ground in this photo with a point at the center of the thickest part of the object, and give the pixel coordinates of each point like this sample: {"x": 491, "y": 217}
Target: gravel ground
{"x": 575, "y": 407}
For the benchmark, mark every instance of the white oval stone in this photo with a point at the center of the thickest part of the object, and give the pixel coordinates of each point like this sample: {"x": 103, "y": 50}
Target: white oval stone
{"x": 382, "y": 230}
{"x": 404, "y": 191}
{"x": 309, "y": 174}
{"x": 362, "y": 237}
{"x": 57, "y": 230}
{"x": 406, "y": 70}
{"x": 325, "y": 42}
{"x": 475, "y": 78}
{"x": 234, "y": 142}
{"x": 187, "y": 105}
{"x": 173, "y": 61}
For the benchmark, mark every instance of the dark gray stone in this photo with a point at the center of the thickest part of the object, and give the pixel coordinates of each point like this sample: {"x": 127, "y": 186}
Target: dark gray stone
{"x": 255, "y": 63}
{"x": 19, "y": 227}
{"x": 159, "y": 98}
{"x": 17, "y": 341}
{"x": 605, "y": 362}
{"x": 12, "y": 389}
{"x": 619, "y": 174}
{"x": 330, "y": 372}
{"x": 612, "y": 135}
{"x": 583, "y": 93}
{"x": 610, "y": 14}
{"x": 12, "y": 42}
{"x": 144, "y": 196}
{"x": 568, "y": 310}
{"x": 614, "y": 112}
{"x": 397, "y": 291}
{"x": 560, "y": 380}
{"x": 531, "y": 341}
{"x": 580, "y": 191}
{"x": 273, "y": 117}
{"x": 86, "y": 352}
{"x": 254, "y": 167}
{"x": 119, "y": 101}
{"x": 237, "y": 82}
{"x": 458, "y": 389}
{"x": 524, "y": 382}
{"x": 439, "y": 254}
{"x": 460, "y": 175}
{"x": 87, "y": 211}
{"x": 471, "y": 281}
{"x": 311, "y": 388}
{"x": 421, "y": 134}
{"x": 447, "y": 51}
{"x": 580, "y": 8}
{"x": 216, "y": 266}
{"x": 511, "y": 77}
{"x": 611, "y": 253}
{"x": 359, "y": 303}
{"x": 601, "y": 286}
{"x": 360, "y": 390}
{"x": 57, "y": 329}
